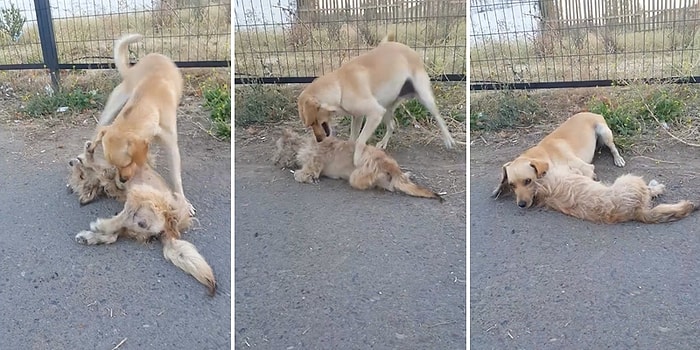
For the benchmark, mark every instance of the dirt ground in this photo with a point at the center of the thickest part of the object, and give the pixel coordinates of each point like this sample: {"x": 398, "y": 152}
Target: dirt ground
{"x": 58, "y": 294}
{"x": 540, "y": 279}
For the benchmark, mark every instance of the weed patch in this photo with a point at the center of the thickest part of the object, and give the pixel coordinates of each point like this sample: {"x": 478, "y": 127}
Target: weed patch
{"x": 638, "y": 112}
{"x": 218, "y": 101}
{"x": 75, "y": 100}
{"x": 263, "y": 104}
{"x": 503, "y": 109}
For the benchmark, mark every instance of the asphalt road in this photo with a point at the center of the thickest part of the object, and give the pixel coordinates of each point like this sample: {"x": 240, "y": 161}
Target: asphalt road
{"x": 323, "y": 266}
{"x": 543, "y": 280}
{"x": 58, "y": 294}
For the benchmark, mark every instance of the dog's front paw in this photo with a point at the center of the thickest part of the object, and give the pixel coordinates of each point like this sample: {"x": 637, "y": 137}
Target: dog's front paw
{"x": 89, "y": 147}
{"x": 83, "y": 237}
{"x": 619, "y": 161}
{"x": 304, "y": 177}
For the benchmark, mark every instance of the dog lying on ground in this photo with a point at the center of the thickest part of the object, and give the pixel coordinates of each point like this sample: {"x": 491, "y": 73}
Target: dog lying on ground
{"x": 333, "y": 158}
{"x": 142, "y": 108}
{"x": 151, "y": 210}
{"x": 627, "y": 199}
{"x": 572, "y": 144}
{"x": 370, "y": 85}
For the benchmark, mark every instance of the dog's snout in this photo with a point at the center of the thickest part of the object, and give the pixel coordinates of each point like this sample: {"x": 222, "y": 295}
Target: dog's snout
{"x": 326, "y": 128}
{"x": 122, "y": 180}
{"x": 143, "y": 224}
{"x": 70, "y": 162}
{"x": 522, "y": 204}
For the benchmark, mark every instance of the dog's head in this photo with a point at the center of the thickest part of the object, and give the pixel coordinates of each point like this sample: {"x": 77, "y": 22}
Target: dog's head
{"x": 126, "y": 151}
{"x": 519, "y": 177}
{"x": 316, "y": 116}
{"x": 288, "y": 146}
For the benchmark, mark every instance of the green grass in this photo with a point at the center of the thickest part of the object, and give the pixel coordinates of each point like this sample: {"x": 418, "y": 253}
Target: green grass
{"x": 640, "y": 112}
{"x": 263, "y": 104}
{"x": 75, "y": 100}
{"x": 504, "y": 109}
{"x": 218, "y": 101}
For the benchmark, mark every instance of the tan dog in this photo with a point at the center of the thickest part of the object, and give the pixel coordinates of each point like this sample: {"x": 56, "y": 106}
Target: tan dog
{"x": 151, "y": 210}
{"x": 370, "y": 85}
{"x": 332, "y": 158}
{"x": 572, "y": 144}
{"x": 143, "y": 107}
{"x": 627, "y": 199}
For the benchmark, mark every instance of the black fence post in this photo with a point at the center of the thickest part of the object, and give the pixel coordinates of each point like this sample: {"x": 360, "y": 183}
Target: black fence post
{"x": 47, "y": 39}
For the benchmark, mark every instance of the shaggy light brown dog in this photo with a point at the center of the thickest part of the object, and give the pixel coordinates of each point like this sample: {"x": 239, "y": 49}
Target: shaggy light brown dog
{"x": 333, "y": 158}
{"x": 627, "y": 199}
{"x": 151, "y": 210}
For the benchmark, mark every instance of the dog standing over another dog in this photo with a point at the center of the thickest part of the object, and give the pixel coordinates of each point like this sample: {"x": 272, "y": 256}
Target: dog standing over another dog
{"x": 333, "y": 158}
{"x": 369, "y": 86}
{"x": 142, "y": 108}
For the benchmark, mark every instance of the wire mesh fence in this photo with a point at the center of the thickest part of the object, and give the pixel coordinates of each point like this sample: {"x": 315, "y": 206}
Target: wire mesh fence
{"x": 197, "y": 32}
{"x": 572, "y": 41}
{"x": 307, "y": 38}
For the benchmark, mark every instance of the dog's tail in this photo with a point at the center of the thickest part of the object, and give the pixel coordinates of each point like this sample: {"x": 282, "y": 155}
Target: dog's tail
{"x": 402, "y": 182}
{"x": 666, "y": 212}
{"x": 184, "y": 255}
{"x": 121, "y": 54}
{"x": 389, "y": 37}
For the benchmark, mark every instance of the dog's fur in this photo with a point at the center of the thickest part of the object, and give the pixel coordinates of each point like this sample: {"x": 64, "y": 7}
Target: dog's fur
{"x": 627, "y": 199}
{"x": 572, "y": 144}
{"x": 370, "y": 85}
{"x": 143, "y": 107}
{"x": 333, "y": 158}
{"x": 151, "y": 210}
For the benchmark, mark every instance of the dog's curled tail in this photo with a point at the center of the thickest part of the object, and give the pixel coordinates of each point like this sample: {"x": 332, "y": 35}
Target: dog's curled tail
{"x": 184, "y": 255}
{"x": 389, "y": 37}
{"x": 121, "y": 54}
{"x": 404, "y": 184}
{"x": 666, "y": 212}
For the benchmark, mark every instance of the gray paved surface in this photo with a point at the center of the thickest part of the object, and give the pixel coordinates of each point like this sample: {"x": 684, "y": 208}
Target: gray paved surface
{"x": 328, "y": 267}
{"x": 542, "y": 280}
{"x": 57, "y": 294}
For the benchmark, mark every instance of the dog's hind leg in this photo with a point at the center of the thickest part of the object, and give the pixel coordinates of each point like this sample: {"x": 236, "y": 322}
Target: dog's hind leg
{"x": 606, "y": 135}
{"x": 425, "y": 95}
{"x": 388, "y": 120}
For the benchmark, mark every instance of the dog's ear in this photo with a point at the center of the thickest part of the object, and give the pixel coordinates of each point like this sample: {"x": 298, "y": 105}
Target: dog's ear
{"x": 138, "y": 150}
{"x": 503, "y": 185}
{"x": 308, "y": 109}
{"x": 540, "y": 167}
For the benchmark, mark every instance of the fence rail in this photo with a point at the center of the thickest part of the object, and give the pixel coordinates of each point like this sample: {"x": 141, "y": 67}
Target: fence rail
{"x": 79, "y": 34}
{"x": 280, "y": 41}
{"x": 571, "y": 43}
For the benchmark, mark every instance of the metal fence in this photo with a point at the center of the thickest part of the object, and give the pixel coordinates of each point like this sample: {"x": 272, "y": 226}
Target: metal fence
{"x": 576, "y": 43}
{"x": 282, "y": 41}
{"x": 79, "y": 34}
